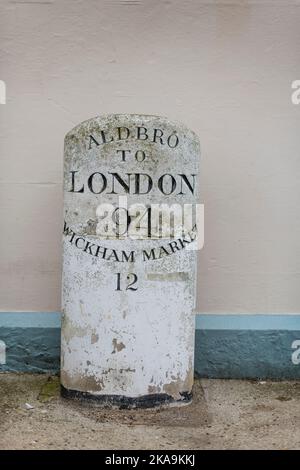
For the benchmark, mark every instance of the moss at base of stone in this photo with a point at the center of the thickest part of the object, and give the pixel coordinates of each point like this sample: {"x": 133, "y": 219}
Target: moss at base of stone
{"x": 49, "y": 390}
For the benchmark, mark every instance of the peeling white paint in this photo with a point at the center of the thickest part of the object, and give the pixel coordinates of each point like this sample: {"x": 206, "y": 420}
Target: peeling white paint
{"x": 2, "y": 92}
{"x": 2, "y": 353}
{"x": 296, "y": 353}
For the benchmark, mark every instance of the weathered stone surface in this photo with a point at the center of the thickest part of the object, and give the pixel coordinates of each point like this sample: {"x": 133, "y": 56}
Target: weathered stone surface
{"x": 128, "y": 299}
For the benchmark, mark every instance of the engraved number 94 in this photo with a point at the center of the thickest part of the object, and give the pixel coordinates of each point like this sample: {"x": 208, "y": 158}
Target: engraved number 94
{"x": 131, "y": 279}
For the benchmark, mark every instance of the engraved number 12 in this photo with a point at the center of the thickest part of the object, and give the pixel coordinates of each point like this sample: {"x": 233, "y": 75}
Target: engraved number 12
{"x": 131, "y": 278}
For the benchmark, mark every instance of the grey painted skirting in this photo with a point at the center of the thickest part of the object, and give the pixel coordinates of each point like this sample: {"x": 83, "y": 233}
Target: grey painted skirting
{"x": 246, "y": 354}
{"x": 227, "y": 346}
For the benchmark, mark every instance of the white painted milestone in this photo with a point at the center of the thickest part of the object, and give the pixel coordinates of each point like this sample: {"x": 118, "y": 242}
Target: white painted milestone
{"x": 129, "y": 267}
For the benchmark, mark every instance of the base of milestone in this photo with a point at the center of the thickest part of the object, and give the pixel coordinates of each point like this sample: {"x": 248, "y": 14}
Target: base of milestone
{"x": 124, "y": 402}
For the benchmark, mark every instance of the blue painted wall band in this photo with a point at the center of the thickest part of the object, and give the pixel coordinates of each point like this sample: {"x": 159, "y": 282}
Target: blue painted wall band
{"x": 30, "y": 319}
{"x": 227, "y": 346}
{"x": 203, "y": 321}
